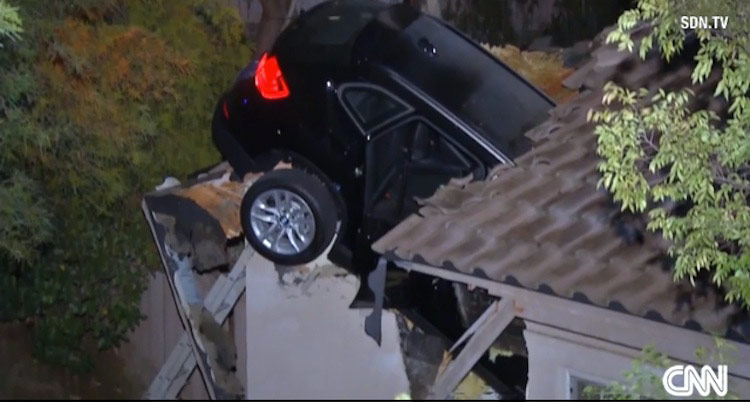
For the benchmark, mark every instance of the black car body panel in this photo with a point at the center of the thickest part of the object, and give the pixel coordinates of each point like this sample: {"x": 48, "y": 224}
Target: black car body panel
{"x": 458, "y": 74}
{"x": 384, "y": 104}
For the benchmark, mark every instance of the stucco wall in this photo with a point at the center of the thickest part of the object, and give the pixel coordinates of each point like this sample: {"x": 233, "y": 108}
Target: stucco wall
{"x": 305, "y": 342}
{"x": 555, "y": 355}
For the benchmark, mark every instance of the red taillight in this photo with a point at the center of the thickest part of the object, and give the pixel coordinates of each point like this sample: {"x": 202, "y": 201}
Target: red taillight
{"x": 226, "y": 110}
{"x": 269, "y": 80}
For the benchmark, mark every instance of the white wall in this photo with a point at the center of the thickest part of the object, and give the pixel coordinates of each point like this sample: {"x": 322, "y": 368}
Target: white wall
{"x": 555, "y": 355}
{"x": 304, "y": 342}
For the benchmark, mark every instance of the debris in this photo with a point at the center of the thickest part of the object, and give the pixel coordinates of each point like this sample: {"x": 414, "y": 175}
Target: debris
{"x": 473, "y": 387}
{"x": 208, "y": 252}
{"x": 496, "y": 351}
{"x": 168, "y": 182}
{"x": 191, "y": 229}
{"x": 221, "y": 198}
{"x": 544, "y": 69}
{"x": 224, "y": 352}
{"x": 292, "y": 275}
{"x": 376, "y": 283}
{"x": 176, "y": 240}
{"x": 447, "y": 359}
{"x": 498, "y": 317}
{"x": 320, "y": 272}
{"x": 218, "y": 350}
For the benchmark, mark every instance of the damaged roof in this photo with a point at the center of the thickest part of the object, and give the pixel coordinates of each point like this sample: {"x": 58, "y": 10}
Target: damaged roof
{"x": 543, "y": 224}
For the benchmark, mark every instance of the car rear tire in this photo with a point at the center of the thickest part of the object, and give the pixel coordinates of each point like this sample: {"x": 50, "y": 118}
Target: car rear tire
{"x": 288, "y": 216}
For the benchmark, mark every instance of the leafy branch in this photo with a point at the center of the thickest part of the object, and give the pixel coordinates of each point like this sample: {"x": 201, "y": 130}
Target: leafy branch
{"x": 644, "y": 379}
{"x": 10, "y": 22}
{"x": 658, "y": 150}
{"x": 100, "y": 99}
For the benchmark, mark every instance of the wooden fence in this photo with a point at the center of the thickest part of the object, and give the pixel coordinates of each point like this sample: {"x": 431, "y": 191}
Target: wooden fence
{"x": 151, "y": 343}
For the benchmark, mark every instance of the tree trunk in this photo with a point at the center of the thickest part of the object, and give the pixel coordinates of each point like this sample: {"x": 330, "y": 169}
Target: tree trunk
{"x": 434, "y": 8}
{"x": 272, "y": 21}
{"x": 431, "y": 7}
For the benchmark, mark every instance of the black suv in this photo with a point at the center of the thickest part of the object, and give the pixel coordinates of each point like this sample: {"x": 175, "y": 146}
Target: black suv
{"x": 374, "y": 106}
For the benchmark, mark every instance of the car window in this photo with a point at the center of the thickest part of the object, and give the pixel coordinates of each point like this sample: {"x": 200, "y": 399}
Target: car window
{"x": 431, "y": 149}
{"x": 464, "y": 78}
{"x": 484, "y": 93}
{"x": 371, "y": 107}
{"x": 411, "y": 161}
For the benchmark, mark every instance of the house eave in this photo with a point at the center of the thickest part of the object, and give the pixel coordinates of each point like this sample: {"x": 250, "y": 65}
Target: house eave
{"x": 596, "y": 322}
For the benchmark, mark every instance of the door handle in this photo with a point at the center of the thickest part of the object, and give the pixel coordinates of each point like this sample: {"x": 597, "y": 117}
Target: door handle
{"x": 427, "y": 47}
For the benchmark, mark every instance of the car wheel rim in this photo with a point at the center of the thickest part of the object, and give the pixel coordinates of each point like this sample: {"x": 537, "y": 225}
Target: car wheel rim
{"x": 282, "y": 222}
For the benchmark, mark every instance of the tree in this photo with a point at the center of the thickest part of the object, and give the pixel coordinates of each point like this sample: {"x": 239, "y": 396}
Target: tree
{"x": 24, "y": 222}
{"x": 658, "y": 149}
{"x": 98, "y": 102}
{"x": 10, "y": 23}
{"x": 271, "y": 23}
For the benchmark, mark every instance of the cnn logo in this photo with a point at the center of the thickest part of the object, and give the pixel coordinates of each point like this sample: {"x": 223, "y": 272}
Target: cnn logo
{"x": 692, "y": 380}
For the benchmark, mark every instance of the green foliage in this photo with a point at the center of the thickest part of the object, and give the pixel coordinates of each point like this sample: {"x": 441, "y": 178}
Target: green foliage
{"x": 101, "y": 100}
{"x": 644, "y": 379}
{"x": 656, "y": 149}
{"x": 10, "y": 22}
{"x": 224, "y": 21}
{"x": 24, "y": 223}
{"x": 641, "y": 381}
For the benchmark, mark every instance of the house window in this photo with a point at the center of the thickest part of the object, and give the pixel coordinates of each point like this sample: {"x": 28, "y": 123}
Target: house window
{"x": 371, "y": 107}
{"x": 584, "y": 388}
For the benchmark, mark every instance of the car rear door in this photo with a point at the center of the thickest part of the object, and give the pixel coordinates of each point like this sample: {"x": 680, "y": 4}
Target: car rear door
{"x": 407, "y": 161}
{"x": 408, "y": 156}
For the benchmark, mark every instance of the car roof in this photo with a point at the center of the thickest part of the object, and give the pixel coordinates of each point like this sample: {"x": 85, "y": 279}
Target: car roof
{"x": 453, "y": 70}
{"x": 345, "y": 35}
{"x": 326, "y": 33}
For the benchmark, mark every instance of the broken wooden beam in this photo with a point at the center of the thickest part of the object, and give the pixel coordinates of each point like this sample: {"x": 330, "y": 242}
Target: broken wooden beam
{"x": 491, "y": 324}
{"x": 204, "y": 333}
{"x": 220, "y": 301}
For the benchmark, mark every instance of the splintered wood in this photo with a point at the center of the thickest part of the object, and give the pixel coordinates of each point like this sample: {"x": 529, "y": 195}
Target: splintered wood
{"x": 222, "y": 198}
{"x": 543, "y": 69}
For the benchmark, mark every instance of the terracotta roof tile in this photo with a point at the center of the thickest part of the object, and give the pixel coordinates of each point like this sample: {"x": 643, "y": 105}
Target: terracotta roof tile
{"x": 544, "y": 225}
